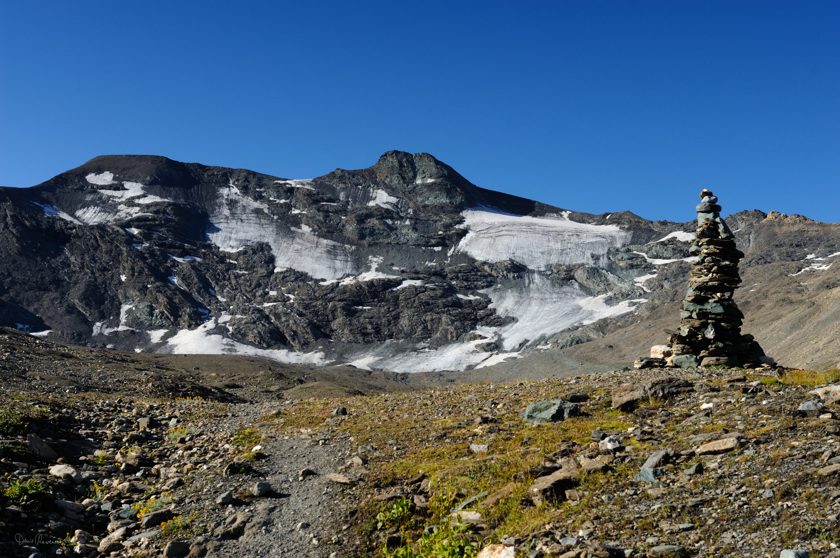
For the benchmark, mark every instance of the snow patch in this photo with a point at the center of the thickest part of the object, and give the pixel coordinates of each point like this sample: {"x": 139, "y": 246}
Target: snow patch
{"x": 156, "y": 335}
{"x": 238, "y": 221}
{"x": 682, "y": 236}
{"x": 203, "y": 340}
{"x": 305, "y": 184}
{"x": 537, "y": 242}
{"x": 408, "y": 283}
{"x": 96, "y": 215}
{"x": 101, "y": 179}
{"x": 52, "y": 211}
{"x": 382, "y": 199}
{"x": 100, "y": 328}
{"x": 640, "y": 281}
{"x": 374, "y": 262}
{"x": 185, "y": 259}
{"x": 543, "y": 308}
{"x": 656, "y": 261}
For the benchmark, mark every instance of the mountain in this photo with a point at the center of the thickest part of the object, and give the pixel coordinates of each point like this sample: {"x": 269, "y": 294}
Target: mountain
{"x": 405, "y": 266}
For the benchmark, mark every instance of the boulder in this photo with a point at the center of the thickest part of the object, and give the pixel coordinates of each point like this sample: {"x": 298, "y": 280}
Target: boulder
{"x": 542, "y": 412}
{"x": 553, "y": 486}
{"x": 628, "y": 396}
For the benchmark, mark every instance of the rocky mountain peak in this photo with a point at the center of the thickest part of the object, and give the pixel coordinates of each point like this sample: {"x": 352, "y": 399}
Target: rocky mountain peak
{"x": 106, "y": 170}
{"x": 417, "y": 178}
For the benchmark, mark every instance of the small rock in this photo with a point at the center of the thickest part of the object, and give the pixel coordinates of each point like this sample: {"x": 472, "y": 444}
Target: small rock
{"x": 591, "y": 465}
{"x": 40, "y": 447}
{"x": 478, "y": 448}
{"x": 811, "y": 408}
{"x": 467, "y": 516}
{"x": 668, "y": 550}
{"x": 718, "y": 446}
{"x": 237, "y": 468}
{"x": 553, "y": 486}
{"x": 261, "y": 489}
{"x": 153, "y": 519}
{"x": 830, "y": 470}
{"x": 303, "y": 473}
{"x": 649, "y": 475}
{"x": 610, "y": 443}
{"x": 658, "y": 458}
{"x": 226, "y": 499}
{"x": 339, "y": 412}
{"x": 176, "y": 549}
{"x": 497, "y": 551}
{"x": 794, "y": 554}
{"x": 341, "y": 479}
{"x": 66, "y": 472}
{"x": 695, "y": 469}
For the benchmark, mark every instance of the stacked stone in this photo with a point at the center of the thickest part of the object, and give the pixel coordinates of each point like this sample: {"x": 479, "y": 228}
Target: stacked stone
{"x": 710, "y": 322}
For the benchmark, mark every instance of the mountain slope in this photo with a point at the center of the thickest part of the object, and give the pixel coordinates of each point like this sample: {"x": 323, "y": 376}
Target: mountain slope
{"x": 404, "y": 266}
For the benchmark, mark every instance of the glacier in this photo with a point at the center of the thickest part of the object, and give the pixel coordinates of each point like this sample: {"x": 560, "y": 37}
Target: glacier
{"x": 537, "y": 242}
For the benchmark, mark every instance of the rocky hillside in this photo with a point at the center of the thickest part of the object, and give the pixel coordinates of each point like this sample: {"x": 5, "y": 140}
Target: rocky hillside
{"x": 691, "y": 462}
{"x": 404, "y": 266}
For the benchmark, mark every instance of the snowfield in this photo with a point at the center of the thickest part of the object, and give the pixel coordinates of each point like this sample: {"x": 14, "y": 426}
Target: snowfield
{"x": 238, "y": 221}
{"x": 537, "y": 242}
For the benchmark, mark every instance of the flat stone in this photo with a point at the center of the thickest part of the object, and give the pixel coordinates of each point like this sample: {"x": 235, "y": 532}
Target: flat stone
{"x": 649, "y": 475}
{"x": 695, "y": 469}
{"x": 811, "y": 408}
{"x": 649, "y": 362}
{"x": 341, "y": 479}
{"x": 718, "y": 446}
{"x": 553, "y": 486}
{"x": 467, "y": 516}
{"x": 626, "y": 397}
{"x": 592, "y": 465}
{"x": 542, "y": 412}
{"x": 668, "y": 550}
{"x": 658, "y": 458}
{"x": 497, "y": 551}
{"x": 686, "y": 361}
{"x": 660, "y": 351}
{"x": 66, "y": 472}
{"x": 830, "y": 470}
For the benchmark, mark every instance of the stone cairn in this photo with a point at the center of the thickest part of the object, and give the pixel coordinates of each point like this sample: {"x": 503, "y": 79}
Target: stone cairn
{"x": 710, "y": 322}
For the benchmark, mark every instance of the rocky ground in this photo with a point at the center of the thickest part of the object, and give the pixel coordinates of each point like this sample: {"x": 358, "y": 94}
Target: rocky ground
{"x": 646, "y": 463}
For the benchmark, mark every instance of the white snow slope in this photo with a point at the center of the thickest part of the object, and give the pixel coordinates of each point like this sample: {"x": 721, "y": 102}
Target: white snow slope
{"x": 240, "y": 221}
{"x": 537, "y": 242}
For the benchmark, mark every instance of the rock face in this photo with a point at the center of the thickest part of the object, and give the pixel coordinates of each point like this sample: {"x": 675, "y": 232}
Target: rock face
{"x": 403, "y": 266}
{"x": 710, "y": 321}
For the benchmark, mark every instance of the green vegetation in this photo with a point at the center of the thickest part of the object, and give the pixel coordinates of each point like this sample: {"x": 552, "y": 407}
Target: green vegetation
{"x": 20, "y": 490}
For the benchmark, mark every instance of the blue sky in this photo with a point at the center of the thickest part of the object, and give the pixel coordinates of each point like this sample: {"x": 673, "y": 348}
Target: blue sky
{"x": 595, "y": 106}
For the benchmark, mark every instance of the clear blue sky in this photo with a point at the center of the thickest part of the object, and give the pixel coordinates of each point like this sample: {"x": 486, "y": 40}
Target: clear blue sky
{"x": 595, "y": 106}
